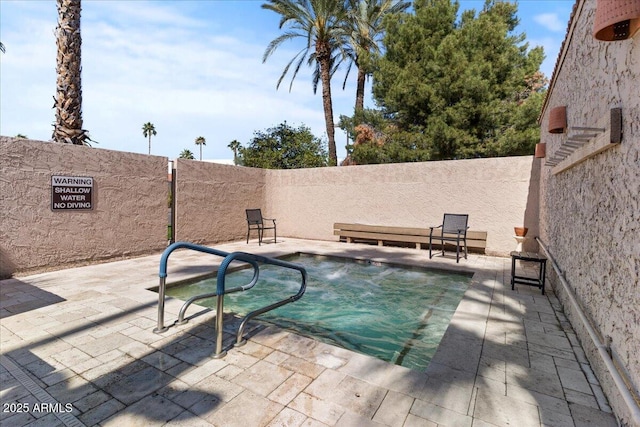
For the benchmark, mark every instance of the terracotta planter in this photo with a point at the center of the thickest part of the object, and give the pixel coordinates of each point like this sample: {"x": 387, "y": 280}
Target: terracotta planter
{"x": 616, "y": 19}
{"x": 541, "y": 150}
{"x": 558, "y": 119}
{"x": 520, "y": 231}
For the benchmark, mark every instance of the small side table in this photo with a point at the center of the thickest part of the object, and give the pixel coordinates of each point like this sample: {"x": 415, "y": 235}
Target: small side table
{"x": 524, "y": 280}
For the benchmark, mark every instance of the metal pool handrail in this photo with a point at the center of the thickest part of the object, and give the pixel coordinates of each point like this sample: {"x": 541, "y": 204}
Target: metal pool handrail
{"x": 251, "y": 259}
{"x": 163, "y": 275}
{"x": 303, "y": 286}
{"x": 243, "y": 256}
{"x": 256, "y": 273}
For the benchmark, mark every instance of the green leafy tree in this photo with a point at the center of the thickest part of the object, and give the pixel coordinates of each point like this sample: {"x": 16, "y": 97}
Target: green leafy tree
{"x": 235, "y": 147}
{"x": 67, "y": 127}
{"x": 459, "y": 87}
{"x": 21, "y": 136}
{"x": 149, "y": 130}
{"x": 284, "y": 147}
{"x": 201, "y": 141}
{"x": 187, "y": 154}
{"x": 321, "y": 24}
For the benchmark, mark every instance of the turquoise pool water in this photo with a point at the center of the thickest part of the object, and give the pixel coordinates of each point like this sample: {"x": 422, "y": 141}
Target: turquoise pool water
{"x": 396, "y": 314}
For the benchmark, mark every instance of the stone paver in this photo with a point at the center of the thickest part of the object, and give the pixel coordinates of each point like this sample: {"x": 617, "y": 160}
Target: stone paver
{"x": 83, "y": 336}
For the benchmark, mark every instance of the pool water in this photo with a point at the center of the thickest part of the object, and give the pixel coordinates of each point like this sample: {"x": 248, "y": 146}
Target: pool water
{"x": 396, "y": 314}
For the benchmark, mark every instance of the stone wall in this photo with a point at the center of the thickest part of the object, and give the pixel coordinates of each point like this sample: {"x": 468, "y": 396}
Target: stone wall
{"x": 211, "y": 200}
{"x": 590, "y": 213}
{"x": 498, "y": 194}
{"x": 129, "y": 216}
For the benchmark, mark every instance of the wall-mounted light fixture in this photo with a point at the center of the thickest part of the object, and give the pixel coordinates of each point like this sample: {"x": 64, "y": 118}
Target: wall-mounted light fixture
{"x": 616, "y": 19}
{"x": 541, "y": 150}
{"x": 558, "y": 119}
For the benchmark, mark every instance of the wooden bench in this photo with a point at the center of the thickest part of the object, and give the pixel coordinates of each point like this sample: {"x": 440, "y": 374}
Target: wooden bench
{"x": 476, "y": 240}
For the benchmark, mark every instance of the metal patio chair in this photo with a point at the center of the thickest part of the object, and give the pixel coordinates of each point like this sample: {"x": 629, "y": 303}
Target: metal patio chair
{"x": 255, "y": 221}
{"x": 453, "y": 229}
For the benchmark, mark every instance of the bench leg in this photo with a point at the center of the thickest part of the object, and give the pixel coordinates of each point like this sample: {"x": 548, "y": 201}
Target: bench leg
{"x": 349, "y": 240}
{"x": 418, "y": 246}
{"x": 380, "y": 243}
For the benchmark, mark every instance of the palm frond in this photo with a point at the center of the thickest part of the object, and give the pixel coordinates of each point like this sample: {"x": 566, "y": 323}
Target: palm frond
{"x": 275, "y": 43}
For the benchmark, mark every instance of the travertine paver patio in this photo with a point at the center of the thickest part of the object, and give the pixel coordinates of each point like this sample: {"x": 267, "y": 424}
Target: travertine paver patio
{"x": 78, "y": 349}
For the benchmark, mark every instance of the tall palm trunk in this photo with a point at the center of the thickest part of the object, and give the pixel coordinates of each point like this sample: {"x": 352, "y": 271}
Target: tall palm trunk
{"x": 362, "y": 75}
{"x": 68, "y": 100}
{"x": 324, "y": 59}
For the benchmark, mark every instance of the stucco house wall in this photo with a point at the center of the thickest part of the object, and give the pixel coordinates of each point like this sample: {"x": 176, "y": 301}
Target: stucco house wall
{"x": 129, "y": 197}
{"x": 497, "y": 193}
{"x": 590, "y": 213}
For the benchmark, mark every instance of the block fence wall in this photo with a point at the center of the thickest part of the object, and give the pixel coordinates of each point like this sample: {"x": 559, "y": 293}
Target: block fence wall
{"x": 129, "y": 216}
{"x": 498, "y": 194}
{"x": 590, "y": 213}
{"x": 211, "y": 199}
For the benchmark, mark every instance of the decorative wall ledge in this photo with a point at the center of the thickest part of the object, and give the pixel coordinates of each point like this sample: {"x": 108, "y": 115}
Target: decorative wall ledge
{"x": 584, "y": 142}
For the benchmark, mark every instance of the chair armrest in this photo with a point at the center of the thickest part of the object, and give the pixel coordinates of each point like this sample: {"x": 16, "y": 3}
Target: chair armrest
{"x": 270, "y": 219}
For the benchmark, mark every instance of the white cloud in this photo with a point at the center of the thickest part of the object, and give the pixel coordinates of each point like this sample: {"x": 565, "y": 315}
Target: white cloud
{"x": 551, "y": 21}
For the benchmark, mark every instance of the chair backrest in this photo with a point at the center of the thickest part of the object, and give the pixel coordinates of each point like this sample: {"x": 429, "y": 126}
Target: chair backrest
{"x": 254, "y": 216}
{"x": 454, "y": 222}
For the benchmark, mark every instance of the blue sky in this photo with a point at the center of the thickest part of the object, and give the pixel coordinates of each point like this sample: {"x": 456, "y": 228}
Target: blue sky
{"x": 192, "y": 68}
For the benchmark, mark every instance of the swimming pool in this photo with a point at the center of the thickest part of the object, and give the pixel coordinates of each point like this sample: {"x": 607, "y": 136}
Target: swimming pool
{"x": 396, "y": 314}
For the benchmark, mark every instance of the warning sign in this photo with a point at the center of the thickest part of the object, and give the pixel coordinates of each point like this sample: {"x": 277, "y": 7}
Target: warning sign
{"x": 71, "y": 193}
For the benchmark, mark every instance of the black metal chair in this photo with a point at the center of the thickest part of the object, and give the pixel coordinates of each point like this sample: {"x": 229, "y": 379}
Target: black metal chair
{"x": 453, "y": 229}
{"x": 255, "y": 221}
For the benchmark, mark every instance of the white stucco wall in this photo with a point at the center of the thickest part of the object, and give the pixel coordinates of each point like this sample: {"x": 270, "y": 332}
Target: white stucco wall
{"x": 590, "y": 214}
{"x": 497, "y": 193}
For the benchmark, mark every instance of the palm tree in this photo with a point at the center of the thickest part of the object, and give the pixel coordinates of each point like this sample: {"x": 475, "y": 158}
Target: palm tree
{"x": 321, "y": 24}
{"x": 68, "y": 100}
{"x": 2, "y": 49}
{"x": 148, "y": 130}
{"x": 187, "y": 154}
{"x": 365, "y": 35}
{"x": 235, "y": 146}
{"x": 201, "y": 141}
